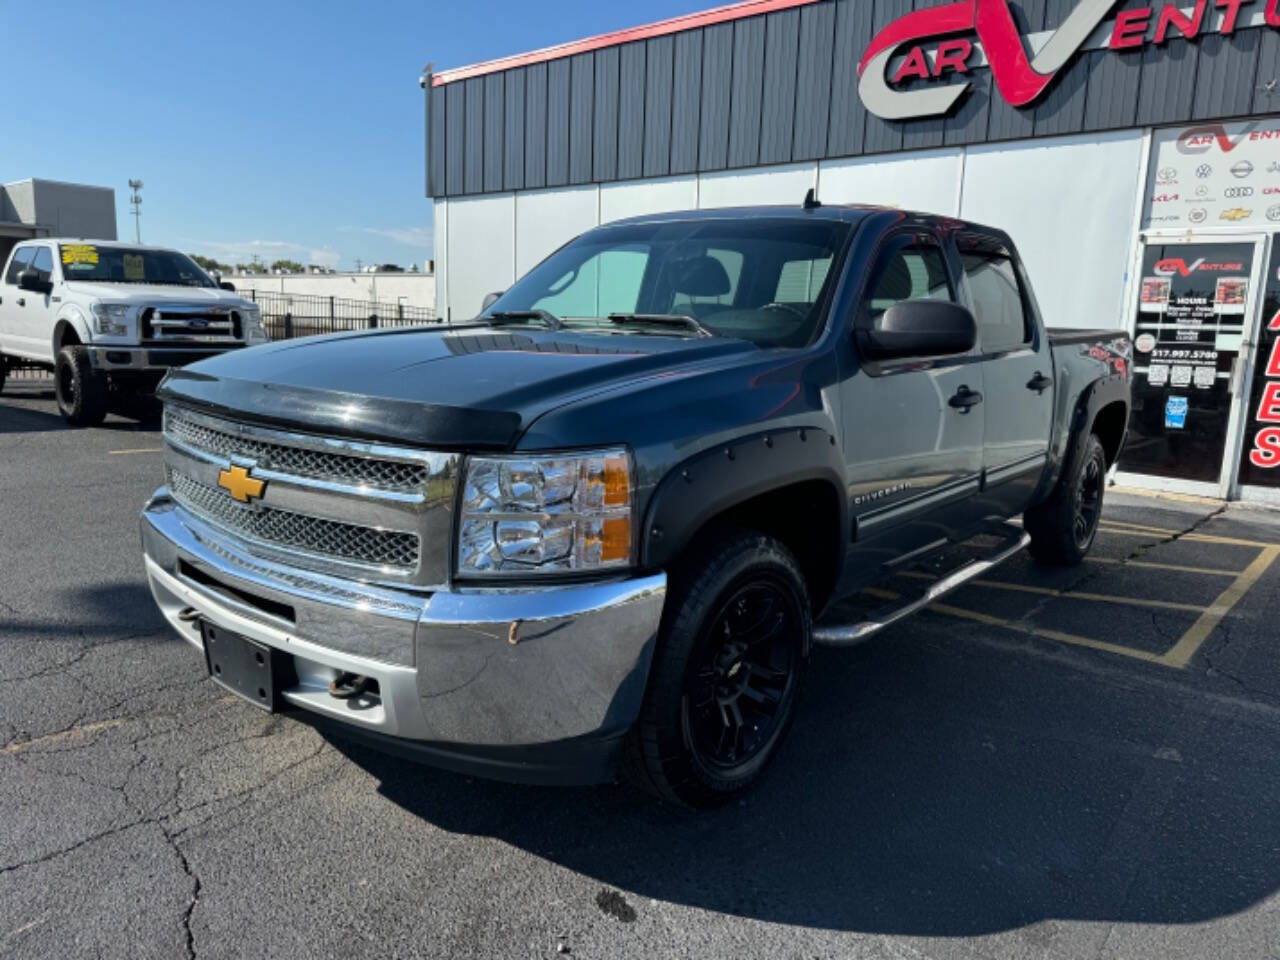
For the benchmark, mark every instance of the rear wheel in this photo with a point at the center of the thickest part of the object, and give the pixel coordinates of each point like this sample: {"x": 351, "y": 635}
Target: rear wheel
{"x": 1063, "y": 528}
{"x": 726, "y": 675}
{"x": 81, "y": 390}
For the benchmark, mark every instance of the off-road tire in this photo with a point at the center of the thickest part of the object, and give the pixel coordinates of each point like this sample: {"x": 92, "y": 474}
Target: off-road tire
{"x": 81, "y": 390}
{"x": 1063, "y": 528}
{"x": 706, "y": 593}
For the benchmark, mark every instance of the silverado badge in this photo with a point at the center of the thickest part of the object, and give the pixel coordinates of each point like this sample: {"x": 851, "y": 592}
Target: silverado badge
{"x": 237, "y": 482}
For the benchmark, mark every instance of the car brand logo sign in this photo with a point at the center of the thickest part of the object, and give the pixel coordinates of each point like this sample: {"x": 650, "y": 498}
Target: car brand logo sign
{"x": 1204, "y": 170}
{"x": 1202, "y": 191}
{"x": 1273, "y": 213}
{"x": 1241, "y": 169}
{"x": 1238, "y": 192}
{"x": 241, "y": 484}
{"x": 1167, "y": 173}
{"x": 1235, "y": 213}
{"x": 1198, "y": 215}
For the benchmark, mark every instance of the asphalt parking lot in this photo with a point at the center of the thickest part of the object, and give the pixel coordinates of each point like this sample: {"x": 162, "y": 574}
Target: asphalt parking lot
{"x": 1080, "y": 763}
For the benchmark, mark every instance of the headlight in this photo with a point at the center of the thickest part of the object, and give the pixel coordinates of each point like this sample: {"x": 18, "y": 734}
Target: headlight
{"x": 251, "y": 320}
{"x": 536, "y": 515}
{"x": 111, "y": 319}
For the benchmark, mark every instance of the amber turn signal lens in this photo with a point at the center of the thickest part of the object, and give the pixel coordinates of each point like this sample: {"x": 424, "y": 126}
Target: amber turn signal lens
{"x": 617, "y": 482}
{"x": 615, "y": 539}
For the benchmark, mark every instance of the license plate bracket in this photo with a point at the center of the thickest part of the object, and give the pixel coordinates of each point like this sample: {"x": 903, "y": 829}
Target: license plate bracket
{"x": 243, "y": 666}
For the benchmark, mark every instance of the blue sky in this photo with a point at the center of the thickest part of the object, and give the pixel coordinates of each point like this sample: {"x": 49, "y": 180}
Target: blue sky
{"x": 282, "y": 129}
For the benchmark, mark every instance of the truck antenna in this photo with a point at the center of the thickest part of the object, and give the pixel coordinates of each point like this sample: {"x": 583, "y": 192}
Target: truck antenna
{"x": 811, "y": 201}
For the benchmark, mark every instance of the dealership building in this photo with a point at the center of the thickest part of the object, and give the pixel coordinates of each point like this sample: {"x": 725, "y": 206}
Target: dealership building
{"x": 1131, "y": 148}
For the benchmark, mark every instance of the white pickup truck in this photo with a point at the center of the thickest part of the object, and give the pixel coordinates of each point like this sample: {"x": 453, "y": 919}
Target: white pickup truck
{"x": 111, "y": 318}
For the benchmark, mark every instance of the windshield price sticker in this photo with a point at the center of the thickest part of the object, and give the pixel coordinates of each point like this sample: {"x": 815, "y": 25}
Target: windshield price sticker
{"x": 133, "y": 267}
{"x": 79, "y": 253}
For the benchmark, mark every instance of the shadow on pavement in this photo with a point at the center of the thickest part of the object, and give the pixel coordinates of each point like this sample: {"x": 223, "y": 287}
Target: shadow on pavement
{"x": 929, "y": 793}
{"x": 105, "y": 610}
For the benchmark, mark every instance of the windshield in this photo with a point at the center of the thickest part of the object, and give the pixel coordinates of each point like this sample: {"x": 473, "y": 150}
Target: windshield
{"x": 763, "y": 280}
{"x": 87, "y": 261}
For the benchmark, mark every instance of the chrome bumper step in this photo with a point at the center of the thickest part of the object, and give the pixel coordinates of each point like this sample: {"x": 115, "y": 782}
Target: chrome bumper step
{"x": 975, "y": 559}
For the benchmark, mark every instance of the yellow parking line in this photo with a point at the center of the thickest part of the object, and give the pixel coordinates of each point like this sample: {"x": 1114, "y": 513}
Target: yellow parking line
{"x": 118, "y": 453}
{"x": 1057, "y": 635}
{"x": 1051, "y": 592}
{"x": 1191, "y": 537}
{"x": 1174, "y": 567}
{"x": 1180, "y": 654}
{"x": 1126, "y": 525}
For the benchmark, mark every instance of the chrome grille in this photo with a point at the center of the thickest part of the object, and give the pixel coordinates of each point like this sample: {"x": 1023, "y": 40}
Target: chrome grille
{"x": 380, "y": 473}
{"x": 326, "y": 538}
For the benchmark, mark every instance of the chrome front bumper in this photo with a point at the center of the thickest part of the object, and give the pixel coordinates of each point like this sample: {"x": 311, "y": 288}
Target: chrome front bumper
{"x": 126, "y": 357}
{"x": 494, "y": 674}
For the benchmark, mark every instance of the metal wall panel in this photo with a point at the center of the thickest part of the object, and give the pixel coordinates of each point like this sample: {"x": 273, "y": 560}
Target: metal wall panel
{"x": 437, "y": 143}
{"x": 581, "y": 112}
{"x": 557, "y": 123}
{"x": 717, "y": 82}
{"x": 686, "y": 98}
{"x": 513, "y": 139}
{"x": 535, "y": 126}
{"x": 1225, "y": 79}
{"x": 456, "y": 142}
{"x": 473, "y": 152}
{"x": 604, "y": 152}
{"x": 778, "y": 108}
{"x": 848, "y": 115}
{"x": 883, "y": 135}
{"x": 494, "y": 111}
{"x": 657, "y": 106}
{"x": 1111, "y": 100}
{"x": 1168, "y": 83}
{"x": 783, "y": 87}
{"x": 631, "y": 111}
{"x": 746, "y": 91}
{"x": 813, "y": 81}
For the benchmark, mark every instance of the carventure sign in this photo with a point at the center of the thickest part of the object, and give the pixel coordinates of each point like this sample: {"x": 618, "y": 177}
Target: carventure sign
{"x": 932, "y": 43}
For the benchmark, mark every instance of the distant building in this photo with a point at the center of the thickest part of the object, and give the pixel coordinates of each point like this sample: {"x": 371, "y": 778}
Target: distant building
{"x": 44, "y": 208}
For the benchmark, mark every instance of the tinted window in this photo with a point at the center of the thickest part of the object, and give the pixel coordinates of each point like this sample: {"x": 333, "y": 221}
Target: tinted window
{"x": 43, "y": 263}
{"x": 19, "y": 263}
{"x": 731, "y": 260}
{"x": 90, "y": 262}
{"x": 606, "y": 282}
{"x": 998, "y": 305}
{"x": 912, "y": 267}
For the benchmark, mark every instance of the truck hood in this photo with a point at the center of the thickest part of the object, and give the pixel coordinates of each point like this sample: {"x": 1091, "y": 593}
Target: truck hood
{"x": 151, "y": 295}
{"x": 465, "y": 387}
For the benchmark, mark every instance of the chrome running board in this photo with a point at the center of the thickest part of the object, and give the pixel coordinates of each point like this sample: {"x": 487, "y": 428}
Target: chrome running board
{"x": 848, "y": 635}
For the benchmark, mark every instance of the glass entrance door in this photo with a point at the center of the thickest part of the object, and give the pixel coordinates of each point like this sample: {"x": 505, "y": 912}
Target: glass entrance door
{"x": 1193, "y": 314}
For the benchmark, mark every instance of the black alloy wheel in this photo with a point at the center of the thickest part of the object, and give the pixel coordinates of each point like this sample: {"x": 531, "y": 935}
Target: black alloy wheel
{"x": 740, "y": 693}
{"x": 1088, "y": 502}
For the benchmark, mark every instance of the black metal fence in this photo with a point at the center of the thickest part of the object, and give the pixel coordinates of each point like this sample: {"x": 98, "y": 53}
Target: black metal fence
{"x": 289, "y": 315}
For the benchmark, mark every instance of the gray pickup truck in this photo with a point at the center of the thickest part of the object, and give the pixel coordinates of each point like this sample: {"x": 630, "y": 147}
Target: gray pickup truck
{"x": 602, "y": 526}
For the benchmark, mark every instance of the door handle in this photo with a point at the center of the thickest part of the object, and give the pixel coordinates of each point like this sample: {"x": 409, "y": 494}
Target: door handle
{"x": 22, "y": 301}
{"x": 1039, "y": 383}
{"x": 965, "y": 398}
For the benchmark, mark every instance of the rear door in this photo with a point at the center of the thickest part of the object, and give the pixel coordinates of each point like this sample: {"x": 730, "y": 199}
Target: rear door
{"x": 1016, "y": 367}
{"x": 913, "y": 427}
{"x": 13, "y": 303}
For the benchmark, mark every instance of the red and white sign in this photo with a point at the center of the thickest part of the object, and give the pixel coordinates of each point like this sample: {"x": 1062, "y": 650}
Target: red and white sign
{"x": 935, "y": 42}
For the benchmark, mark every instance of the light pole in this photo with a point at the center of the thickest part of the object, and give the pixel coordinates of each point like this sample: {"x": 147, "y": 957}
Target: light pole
{"x": 136, "y": 202}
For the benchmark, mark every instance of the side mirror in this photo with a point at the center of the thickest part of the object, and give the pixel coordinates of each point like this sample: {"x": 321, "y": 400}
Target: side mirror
{"x": 490, "y": 299}
{"x": 32, "y": 281}
{"x": 226, "y": 285}
{"x": 920, "y": 328}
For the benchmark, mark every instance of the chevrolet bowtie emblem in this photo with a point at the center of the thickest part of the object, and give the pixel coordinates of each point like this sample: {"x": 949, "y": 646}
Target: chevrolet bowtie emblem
{"x": 237, "y": 482}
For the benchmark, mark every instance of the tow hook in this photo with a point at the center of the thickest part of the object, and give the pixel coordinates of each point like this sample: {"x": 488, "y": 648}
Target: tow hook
{"x": 188, "y": 614}
{"x": 347, "y": 685}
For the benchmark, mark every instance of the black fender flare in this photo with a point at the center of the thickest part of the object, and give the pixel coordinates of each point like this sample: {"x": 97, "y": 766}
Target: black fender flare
{"x": 721, "y": 477}
{"x": 1101, "y": 393}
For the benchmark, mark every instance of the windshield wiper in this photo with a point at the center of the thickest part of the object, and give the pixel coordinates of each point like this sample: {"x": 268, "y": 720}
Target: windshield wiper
{"x": 518, "y": 316}
{"x": 663, "y": 319}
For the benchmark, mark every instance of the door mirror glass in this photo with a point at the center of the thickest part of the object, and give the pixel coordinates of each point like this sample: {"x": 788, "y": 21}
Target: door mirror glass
{"x": 919, "y": 328}
{"x": 489, "y": 300}
{"x": 32, "y": 281}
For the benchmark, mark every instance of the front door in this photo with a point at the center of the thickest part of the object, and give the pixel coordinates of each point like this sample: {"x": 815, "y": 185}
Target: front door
{"x": 913, "y": 428}
{"x": 1193, "y": 313}
{"x": 36, "y": 317}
